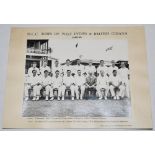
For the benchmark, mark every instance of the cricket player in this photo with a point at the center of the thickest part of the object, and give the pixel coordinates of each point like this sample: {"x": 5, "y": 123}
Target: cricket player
{"x": 34, "y": 67}
{"x": 79, "y": 85}
{"x": 102, "y": 85}
{"x": 67, "y": 67}
{"x": 56, "y": 67}
{"x": 102, "y": 67}
{"x": 34, "y": 83}
{"x": 90, "y": 68}
{"x": 68, "y": 83}
{"x": 79, "y": 67}
{"x": 44, "y": 67}
{"x": 91, "y": 82}
{"x": 124, "y": 74}
{"x": 112, "y": 68}
{"x": 116, "y": 87}
{"x": 46, "y": 82}
{"x": 57, "y": 83}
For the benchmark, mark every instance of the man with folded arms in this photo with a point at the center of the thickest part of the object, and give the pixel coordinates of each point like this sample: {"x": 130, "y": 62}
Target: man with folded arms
{"x": 57, "y": 83}
{"x": 116, "y": 87}
{"x": 46, "y": 84}
{"x": 90, "y": 82}
{"x": 68, "y": 83}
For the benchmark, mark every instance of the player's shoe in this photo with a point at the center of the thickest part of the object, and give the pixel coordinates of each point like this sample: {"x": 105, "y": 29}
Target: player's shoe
{"x": 72, "y": 98}
{"x": 81, "y": 97}
{"x": 100, "y": 98}
{"x": 46, "y": 98}
{"x": 63, "y": 98}
{"x": 58, "y": 98}
{"x": 105, "y": 98}
{"x": 52, "y": 98}
{"x": 34, "y": 98}
{"x": 115, "y": 98}
{"x": 37, "y": 98}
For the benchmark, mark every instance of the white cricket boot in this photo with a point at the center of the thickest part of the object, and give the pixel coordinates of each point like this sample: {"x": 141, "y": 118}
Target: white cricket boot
{"x": 46, "y": 98}
{"x": 52, "y": 98}
{"x": 63, "y": 98}
{"x": 34, "y": 98}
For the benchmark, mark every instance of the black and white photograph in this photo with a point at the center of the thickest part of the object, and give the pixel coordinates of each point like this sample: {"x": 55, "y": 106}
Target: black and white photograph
{"x": 76, "y": 78}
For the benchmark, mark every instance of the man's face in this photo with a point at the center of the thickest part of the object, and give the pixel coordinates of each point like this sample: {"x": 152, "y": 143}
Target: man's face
{"x": 79, "y": 72}
{"x": 114, "y": 73}
{"x": 68, "y": 73}
{"x": 34, "y": 73}
{"x": 78, "y": 62}
{"x": 67, "y": 62}
{"x": 122, "y": 65}
{"x": 102, "y": 73}
{"x": 46, "y": 74}
{"x": 34, "y": 65}
{"x": 90, "y": 73}
{"x": 90, "y": 63}
{"x": 45, "y": 64}
{"x": 57, "y": 74}
{"x": 56, "y": 63}
{"x": 102, "y": 63}
{"x": 113, "y": 64}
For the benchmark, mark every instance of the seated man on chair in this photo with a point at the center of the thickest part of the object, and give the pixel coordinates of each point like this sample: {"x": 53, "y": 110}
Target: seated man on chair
{"x": 68, "y": 83}
{"x": 57, "y": 83}
{"x": 79, "y": 85}
{"x": 116, "y": 87}
{"x": 91, "y": 82}
{"x": 46, "y": 84}
{"x": 102, "y": 85}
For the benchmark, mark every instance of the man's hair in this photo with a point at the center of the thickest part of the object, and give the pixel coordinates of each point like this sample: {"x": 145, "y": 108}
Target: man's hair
{"x": 56, "y": 71}
{"x": 68, "y": 70}
{"x": 101, "y": 60}
{"x": 45, "y": 71}
{"x": 68, "y": 60}
{"x": 34, "y": 71}
{"x": 114, "y": 70}
{"x": 56, "y": 61}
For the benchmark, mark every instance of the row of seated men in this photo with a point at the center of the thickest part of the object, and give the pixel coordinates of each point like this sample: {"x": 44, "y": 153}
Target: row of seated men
{"x": 80, "y": 84}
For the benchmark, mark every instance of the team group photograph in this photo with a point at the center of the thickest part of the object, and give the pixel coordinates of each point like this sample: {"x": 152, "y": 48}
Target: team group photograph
{"x": 74, "y": 79}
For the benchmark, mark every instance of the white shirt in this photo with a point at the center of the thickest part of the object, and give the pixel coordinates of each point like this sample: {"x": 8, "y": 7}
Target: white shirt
{"x": 80, "y": 80}
{"x": 124, "y": 72}
{"x": 102, "y": 68}
{"x": 68, "y": 80}
{"x": 46, "y": 80}
{"x": 110, "y": 70}
{"x": 90, "y": 69}
{"x": 57, "y": 81}
{"x": 79, "y": 67}
{"x": 115, "y": 80}
{"x": 31, "y": 69}
{"x": 102, "y": 81}
{"x": 42, "y": 69}
{"x": 33, "y": 80}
